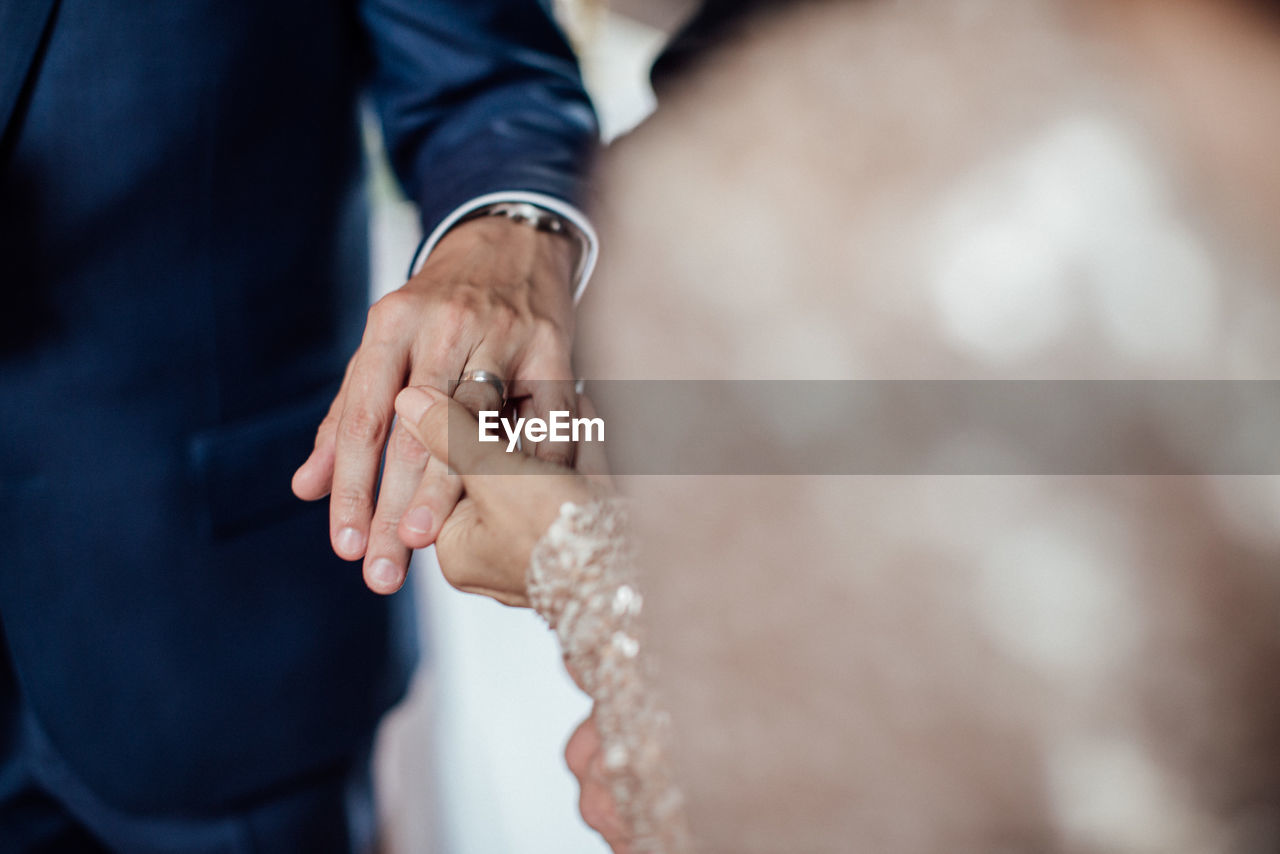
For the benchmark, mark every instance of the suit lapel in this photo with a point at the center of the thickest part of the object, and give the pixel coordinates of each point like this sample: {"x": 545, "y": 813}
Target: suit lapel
{"x": 23, "y": 27}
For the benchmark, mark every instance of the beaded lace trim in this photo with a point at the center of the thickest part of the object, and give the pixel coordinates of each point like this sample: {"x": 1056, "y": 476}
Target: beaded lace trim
{"x": 581, "y": 579}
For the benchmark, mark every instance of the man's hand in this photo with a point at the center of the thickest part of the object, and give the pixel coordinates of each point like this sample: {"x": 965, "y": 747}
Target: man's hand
{"x": 495, "y": 295}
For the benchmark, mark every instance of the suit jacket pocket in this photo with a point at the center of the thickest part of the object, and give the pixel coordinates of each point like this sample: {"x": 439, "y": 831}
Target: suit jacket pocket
{"x": 245, "y": 468}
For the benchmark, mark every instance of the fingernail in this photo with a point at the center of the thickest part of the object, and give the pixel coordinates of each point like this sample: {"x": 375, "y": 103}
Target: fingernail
{"x": 383, "y": 574}
{"x": 350, "y": 542}
{"x": 413, "y": 403}
{"x": 419, "y": 520}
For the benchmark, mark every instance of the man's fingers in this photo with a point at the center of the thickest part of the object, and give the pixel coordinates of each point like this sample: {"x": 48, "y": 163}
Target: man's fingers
{"x": 593, "y": 462}
{"x": 546, "y": 385}
{"x": 478, "y": 395}
{"x": 361, "y": 435}
{"x": 550, "y": 396}
{"x": 387, "y": 560}
{"x": 314, "y": 478}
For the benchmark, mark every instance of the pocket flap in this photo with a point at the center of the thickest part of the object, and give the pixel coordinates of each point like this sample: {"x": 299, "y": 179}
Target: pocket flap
{"x": 245, "y": 468}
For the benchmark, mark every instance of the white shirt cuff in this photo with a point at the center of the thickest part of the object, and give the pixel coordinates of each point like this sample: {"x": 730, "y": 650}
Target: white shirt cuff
{"x": 592, "y": 249}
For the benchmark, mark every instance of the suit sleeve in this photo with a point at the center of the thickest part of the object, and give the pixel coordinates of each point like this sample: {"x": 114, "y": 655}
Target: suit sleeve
{"x": 477, "y": 97}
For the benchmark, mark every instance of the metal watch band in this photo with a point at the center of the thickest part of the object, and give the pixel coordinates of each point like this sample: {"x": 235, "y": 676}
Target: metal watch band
{"x": 540, "y": 219}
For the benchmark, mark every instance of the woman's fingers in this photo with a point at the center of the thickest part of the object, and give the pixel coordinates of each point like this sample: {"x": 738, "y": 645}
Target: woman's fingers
{"x": 440, "y": 488}
{"x": 437, "y": 494}
{"x": 585, "y": 757}
{"x": 477, "y": 559}
{"x": 582, "y": 748}
{"x": 476, "y": 555}
{"x": 450, "y": 433}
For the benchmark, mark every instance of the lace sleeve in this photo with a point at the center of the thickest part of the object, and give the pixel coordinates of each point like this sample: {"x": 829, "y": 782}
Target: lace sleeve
{"x": 581, "y": 579}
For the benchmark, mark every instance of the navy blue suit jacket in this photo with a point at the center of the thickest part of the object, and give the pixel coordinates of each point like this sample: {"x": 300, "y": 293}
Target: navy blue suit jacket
{"x": 183, "y": 265}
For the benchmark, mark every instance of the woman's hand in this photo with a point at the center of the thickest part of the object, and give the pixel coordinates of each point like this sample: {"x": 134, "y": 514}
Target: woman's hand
{"x": 509, "y": 500}
{"x": 596, "y": 803}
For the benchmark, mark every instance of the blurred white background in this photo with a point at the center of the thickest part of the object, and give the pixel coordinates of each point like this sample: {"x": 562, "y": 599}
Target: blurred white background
{"x": 473, "y": 761}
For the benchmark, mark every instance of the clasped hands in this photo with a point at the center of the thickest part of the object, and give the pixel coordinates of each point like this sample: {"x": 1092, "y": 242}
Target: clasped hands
{"x": 494, "y": 296}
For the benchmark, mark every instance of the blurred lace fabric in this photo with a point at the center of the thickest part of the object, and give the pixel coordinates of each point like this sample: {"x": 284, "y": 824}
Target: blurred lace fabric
{"x": 1017, "y": 189}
